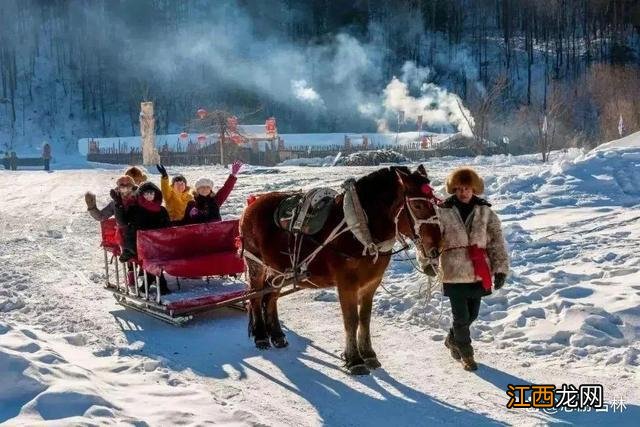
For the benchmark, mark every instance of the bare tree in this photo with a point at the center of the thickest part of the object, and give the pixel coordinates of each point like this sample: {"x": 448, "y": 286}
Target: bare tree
{"x": 481, "y": 106}
{"x": 217, "y": 122}
{"x": 544, "y": 124}
{"x": 615, "y": 92}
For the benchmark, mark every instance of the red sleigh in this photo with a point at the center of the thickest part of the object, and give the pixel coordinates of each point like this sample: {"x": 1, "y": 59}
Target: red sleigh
{"x": 186, "y": 252}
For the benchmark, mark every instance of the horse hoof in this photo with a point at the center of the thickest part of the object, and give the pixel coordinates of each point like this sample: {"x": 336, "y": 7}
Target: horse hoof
{"x": 360, "y": 369}
{"x": 372, "y": 362}
{"x": 262, "y": 344}
{"x": 279, "y": 342}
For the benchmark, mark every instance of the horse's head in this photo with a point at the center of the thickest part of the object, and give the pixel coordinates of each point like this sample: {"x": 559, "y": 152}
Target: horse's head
{"x": 418, "y": 219}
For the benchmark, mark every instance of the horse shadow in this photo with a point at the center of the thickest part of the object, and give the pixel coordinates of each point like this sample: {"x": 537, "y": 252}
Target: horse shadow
{"x": 628, "y": 416}
{"x": 217, "y": 347}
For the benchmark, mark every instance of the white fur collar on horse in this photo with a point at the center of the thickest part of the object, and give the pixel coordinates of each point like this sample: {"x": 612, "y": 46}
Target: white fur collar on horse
{"x": 358, "y": 223}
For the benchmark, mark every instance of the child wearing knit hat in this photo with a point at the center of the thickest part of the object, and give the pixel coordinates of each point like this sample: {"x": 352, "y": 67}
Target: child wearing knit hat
{"x": 205, "y": 206}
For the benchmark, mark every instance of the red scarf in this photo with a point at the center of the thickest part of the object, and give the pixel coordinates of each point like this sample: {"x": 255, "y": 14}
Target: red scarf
{"x": 480, "y": 266}
{"x": 149, "y": 205}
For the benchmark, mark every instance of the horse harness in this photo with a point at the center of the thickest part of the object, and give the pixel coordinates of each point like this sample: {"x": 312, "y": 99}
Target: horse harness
{"x": 297, "y": 219}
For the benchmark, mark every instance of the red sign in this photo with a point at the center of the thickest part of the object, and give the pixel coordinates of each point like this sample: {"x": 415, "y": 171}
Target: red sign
{"x": 425, "y": 142}
{"x": 270, "y": 126}
{"x": 202, "y": 139}
{"x": 232, "y": 124}
{"x": 202, "y": 113}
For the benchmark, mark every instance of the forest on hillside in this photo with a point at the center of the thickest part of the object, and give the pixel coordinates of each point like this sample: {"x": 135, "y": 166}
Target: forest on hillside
{"x": 496, "y": 68}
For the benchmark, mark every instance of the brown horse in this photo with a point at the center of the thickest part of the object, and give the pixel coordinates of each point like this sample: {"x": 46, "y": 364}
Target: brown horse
{"x": 396, "y": 202}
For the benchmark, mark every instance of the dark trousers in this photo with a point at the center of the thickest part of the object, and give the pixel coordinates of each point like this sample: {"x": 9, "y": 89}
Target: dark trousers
{"x": 464, "y": 310}
{"x": 46, "y": 164}
{"x": 129, "y": 238}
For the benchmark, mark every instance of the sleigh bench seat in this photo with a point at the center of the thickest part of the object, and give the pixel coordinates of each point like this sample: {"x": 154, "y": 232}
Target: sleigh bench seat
{"x": 191, "y": 251}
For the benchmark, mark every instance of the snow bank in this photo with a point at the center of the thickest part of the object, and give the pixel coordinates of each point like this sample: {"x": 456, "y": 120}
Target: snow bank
{"x": 47, "y": 379}
{"x": 572, "y": 229}
{"x": 631, "y": 141}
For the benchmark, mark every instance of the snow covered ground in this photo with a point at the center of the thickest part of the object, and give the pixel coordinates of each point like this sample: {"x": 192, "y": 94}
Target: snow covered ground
{"x": 570, "y": 313}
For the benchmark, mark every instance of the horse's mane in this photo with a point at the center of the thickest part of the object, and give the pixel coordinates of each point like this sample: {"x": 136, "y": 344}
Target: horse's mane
{"x": 381, "y": 183}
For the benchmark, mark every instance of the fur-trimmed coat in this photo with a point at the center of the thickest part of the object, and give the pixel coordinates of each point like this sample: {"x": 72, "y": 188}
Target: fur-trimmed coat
{"x": 483, "y": 229}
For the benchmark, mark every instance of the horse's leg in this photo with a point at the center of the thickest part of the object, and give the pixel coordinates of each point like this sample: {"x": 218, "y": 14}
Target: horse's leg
{"x": 274, "y": 329}
{"x": 364, "y": 336}
{"x": 349, "y": 305}
{"x": 257, "y": 327}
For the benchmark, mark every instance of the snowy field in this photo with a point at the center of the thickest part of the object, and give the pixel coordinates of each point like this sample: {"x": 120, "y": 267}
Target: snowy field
{"x": 569, "y": 313}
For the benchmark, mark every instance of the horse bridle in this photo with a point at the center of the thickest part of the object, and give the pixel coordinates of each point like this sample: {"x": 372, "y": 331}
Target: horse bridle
{"x": 417, "y": 223}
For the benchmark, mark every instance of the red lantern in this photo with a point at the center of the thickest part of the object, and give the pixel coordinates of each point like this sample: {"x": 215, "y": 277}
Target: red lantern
{"x": 202, "y": 113}
{"x": 202, "y": 139}
{"x": 184, "y": 135}
{"x": 232, "y": 124}
{"x": 270, "y": 127}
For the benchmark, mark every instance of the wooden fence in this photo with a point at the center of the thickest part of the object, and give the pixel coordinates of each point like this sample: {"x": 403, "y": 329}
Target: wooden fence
{"x": 210, "y": 154}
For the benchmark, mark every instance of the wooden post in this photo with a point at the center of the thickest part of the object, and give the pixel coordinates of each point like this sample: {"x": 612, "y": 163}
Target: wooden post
{"x": 150, "y": 155}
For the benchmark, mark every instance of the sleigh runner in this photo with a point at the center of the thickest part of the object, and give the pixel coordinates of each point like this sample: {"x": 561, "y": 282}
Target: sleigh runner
{"x": 188, "y": 254}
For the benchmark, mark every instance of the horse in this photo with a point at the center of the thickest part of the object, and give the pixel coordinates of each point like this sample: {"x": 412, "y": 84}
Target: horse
{"x": 397, "y": 203}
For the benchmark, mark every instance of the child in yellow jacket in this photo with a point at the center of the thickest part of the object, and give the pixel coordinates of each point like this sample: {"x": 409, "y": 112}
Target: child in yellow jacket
{"x": 176, "y": 196}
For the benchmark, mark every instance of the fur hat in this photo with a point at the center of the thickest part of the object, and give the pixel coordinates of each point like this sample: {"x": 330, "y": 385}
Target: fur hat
{"x": 204, "y": 182}
{"x": 178, "y": 178}
{"x": 125, "y": 180}
{"x": 137, "y": 175}
{"x": 465, "y": 176}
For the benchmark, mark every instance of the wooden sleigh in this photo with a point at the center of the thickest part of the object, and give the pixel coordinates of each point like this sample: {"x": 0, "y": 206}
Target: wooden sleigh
{"x": 201, "y": 259}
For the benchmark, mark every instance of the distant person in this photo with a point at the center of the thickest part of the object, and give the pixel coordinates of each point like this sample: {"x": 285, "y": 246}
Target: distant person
{"x": 205, "y": 207}
{"x": 176, "y": 196}
{"x": 13, "y": 161}
{"x": 473, "y": 253}
{"x": 108, "y": 211}
{"x": 7, "y": 160}
{"x": 46, "y": 156}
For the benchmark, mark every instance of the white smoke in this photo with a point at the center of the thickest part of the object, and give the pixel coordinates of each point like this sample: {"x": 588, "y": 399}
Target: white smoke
{"x": 339, "y": 75}
{"x": 305, "y": 93}
{"x": 414, "y": 75}
{"x": 436, "y": 106}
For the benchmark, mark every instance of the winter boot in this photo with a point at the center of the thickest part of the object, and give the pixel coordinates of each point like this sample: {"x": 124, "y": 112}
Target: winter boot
{"x": 126, "y": 255}
{"x": 164, "y": 289}
{"x": 451, "y": 345}
{"x": 468, "y": 362}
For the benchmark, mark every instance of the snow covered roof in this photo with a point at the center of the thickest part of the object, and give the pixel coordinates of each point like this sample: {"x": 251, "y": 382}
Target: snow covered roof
{"x": 253, "y": 131}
